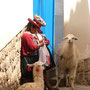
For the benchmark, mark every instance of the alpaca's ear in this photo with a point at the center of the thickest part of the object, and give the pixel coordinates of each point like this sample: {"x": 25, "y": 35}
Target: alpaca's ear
{"x": 31, "y": 65}
{"x": 42, "y": 65}
{"x": 66, "y": 37}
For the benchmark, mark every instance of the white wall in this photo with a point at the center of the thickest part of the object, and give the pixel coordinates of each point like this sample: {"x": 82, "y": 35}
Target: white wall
{"x": 13, "y": 18}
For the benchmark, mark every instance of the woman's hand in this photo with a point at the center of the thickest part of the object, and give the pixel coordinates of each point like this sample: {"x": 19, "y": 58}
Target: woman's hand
{"x": 41, "y": 44}
{"x": 40, "y": 40}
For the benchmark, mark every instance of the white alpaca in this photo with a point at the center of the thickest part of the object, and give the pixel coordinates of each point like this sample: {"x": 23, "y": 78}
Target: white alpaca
{"x": 68, "y": 60}
{"x": 38, "y": 83}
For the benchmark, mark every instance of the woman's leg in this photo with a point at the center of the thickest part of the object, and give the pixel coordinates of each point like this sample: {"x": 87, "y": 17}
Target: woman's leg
{"x": 47, "y": 83}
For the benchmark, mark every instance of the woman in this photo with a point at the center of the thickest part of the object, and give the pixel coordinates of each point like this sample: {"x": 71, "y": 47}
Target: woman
{"x": 31, "y": 44}
{"x": 29, "y": 50}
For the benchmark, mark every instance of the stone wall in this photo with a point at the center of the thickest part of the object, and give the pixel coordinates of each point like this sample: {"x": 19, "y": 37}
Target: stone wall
{"x": 10, "y": 64}
{"x": 83, "y": 72}
{"x": 82, "y": 75}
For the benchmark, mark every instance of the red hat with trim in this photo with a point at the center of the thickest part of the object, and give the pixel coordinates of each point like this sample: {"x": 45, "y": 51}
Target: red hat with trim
{"x": 39, "y": 20}
{"x": 34, "y": 23}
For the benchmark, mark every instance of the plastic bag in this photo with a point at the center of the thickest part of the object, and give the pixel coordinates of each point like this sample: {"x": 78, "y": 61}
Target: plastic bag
{"x": 44, "y": 55}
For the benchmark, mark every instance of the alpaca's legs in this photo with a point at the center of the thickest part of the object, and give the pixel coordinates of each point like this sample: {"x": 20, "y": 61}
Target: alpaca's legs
{"x": 67, "y": 81}
{"x": 58, "y": 80}
{"x": 72, "y": 83}
{"x": 72, "y": 77}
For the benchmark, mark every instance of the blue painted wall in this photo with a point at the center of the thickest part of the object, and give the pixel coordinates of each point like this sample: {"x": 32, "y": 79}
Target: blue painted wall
{"x": 46, "y": 9}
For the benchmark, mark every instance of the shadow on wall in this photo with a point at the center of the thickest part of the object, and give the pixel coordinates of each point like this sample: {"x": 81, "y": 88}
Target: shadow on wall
{"x": 79, "y": 25}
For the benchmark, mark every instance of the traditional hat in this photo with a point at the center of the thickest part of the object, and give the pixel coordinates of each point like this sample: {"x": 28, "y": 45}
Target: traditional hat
{"x": 34, "y": 23}
{"x": 39, "y": 20}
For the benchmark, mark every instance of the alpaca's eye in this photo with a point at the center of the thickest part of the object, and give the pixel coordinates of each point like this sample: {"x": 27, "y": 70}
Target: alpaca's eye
{"x": 74, "y": 38}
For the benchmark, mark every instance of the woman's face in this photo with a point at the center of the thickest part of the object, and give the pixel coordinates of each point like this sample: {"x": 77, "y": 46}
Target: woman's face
{"x": 34, "y": 29}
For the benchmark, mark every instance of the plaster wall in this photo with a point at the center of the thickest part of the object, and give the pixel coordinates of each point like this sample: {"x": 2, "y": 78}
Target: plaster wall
{"x": 13, "y": 18}
{"x": 77, "y": 21}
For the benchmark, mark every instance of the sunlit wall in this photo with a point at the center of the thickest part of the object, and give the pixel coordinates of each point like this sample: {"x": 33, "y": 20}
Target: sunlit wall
{"x": 77, "y": 21}
{"x": 13, "y": 18}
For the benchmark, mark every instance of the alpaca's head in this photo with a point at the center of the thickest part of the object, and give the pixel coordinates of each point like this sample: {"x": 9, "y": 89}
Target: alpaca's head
{"x": 70, "y": 38}
{"x": 38, "y": 67}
